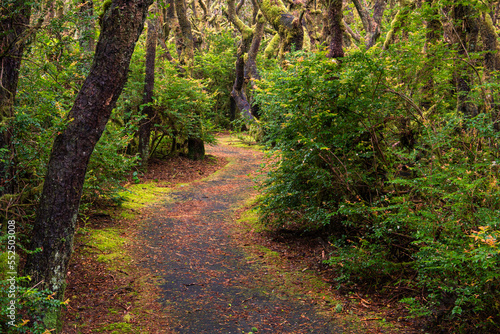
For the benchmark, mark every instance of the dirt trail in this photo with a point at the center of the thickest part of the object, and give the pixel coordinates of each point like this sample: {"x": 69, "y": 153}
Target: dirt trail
{"x": 208, "y": 286}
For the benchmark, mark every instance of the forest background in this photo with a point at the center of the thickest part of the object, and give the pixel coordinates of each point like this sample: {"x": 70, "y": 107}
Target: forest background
{"x": 381, "y": 118}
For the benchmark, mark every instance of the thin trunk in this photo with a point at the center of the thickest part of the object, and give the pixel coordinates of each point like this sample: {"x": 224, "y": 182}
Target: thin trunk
{"x": 149, "y": 82}
{"x": 397, "y": 23}
{"x": 87, "y": 26}
{"x": 434, "y": 31}
{"x": 466, "y": 35}
{"x": 13, "y": 25}
{"x": 375, "y": 22}
{"x": 239, "y": 5}
{"x": 54, "y": 226}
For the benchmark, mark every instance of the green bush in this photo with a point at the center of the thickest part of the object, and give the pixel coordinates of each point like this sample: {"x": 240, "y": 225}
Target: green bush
{"x": 183, "y": 107}
{"x": 31, "y": 306}
{"x": 320, "y": 138}
{"x": 405, "y": 190}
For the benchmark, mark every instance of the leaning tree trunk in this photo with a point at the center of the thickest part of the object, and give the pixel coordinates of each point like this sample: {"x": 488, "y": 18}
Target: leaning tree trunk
{"x": 13, "y": 24}
{"x": 288, "y": 26}
{"x": 149, "y": 83}
{"x": 55, "y": 221}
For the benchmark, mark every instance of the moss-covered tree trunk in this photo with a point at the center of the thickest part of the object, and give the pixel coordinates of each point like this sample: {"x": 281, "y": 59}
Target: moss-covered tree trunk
{"x": 288, "y": 26}
{"x": 56, "y": 217}
{"x": 398, "y": 22}
{"x": 146, "y": 123}
{"x": 245, "y": 70}
{"x": 187, "y": 42}
{"x": 14, "y": 21}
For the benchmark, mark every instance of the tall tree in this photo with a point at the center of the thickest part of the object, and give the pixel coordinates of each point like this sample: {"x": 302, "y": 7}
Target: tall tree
{"x": 149, "y": 82}
{"x": 54, "y": 226}
{"x": 14, "y": 21}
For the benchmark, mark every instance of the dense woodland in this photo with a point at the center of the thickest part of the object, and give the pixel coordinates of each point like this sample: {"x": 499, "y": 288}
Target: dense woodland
{"x": 381, "y": 119}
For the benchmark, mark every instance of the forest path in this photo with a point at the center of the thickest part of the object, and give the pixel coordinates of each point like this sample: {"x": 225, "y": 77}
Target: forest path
{"x": 208, "y": 284}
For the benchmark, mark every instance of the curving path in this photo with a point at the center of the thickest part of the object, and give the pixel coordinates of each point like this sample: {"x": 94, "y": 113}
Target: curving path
{"x": 208, "y": 286}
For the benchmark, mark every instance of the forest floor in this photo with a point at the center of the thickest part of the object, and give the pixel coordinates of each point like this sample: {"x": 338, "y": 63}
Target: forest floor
{"x": 184, "y": 253}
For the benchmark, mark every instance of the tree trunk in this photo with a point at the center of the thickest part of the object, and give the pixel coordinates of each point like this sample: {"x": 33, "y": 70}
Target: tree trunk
{"x": 54, "y": 226}
{"x": 250, "y": 40}
{"x": 149, "y": 83}
{"x": 196, "y": 149}
{"x": 490, "y": 42}
{"x": 334, "y": 18}
{"x": 13, "y": 24}
{"x": 288, "y": 26}
{"x": 187, "y": 43}
{"x": 466, "y": 31}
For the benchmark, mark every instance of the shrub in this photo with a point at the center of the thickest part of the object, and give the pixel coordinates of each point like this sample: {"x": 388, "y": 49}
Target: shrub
{"x": 404, "y": 190}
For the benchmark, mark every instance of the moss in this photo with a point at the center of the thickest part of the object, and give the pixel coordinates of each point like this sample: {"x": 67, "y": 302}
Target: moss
{"x": 139, "y": 195}
{"x": 110, "y": 245}
{"x": 307, "y": 42}
{"x": 272, "y": 10}
{"x": 268, "y": 254}
{"x": 115, "y": 328}
{"x": 272, "y": 48}
{"x": 247, "y": 33}
{"x": 4, "y": 263}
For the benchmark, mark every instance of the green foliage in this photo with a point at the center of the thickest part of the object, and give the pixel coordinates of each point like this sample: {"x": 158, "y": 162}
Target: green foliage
{"x": 320, "y": 138}
{"x": 216, "y": 66}
{"x": 183, "y": 107}
{"x": 380, "y": 159}
{"x": 109, "y": 163}
{"x": 31, "y": 306}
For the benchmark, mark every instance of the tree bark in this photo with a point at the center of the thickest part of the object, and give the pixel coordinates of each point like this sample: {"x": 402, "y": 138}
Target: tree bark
{"x": 288, "y": 26}
{"x": 149, "y": 83}
{"x": 54, "y": 226}
{"x": 466, "y": 35}
{"x": 250, "y": 42}
{"x": 490, "y": 43}
{"x": 334, "y": 22}
{"x": 187, "y": 43}
{"x": 13, "y": 25}
{"x": 371, "y": 24}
